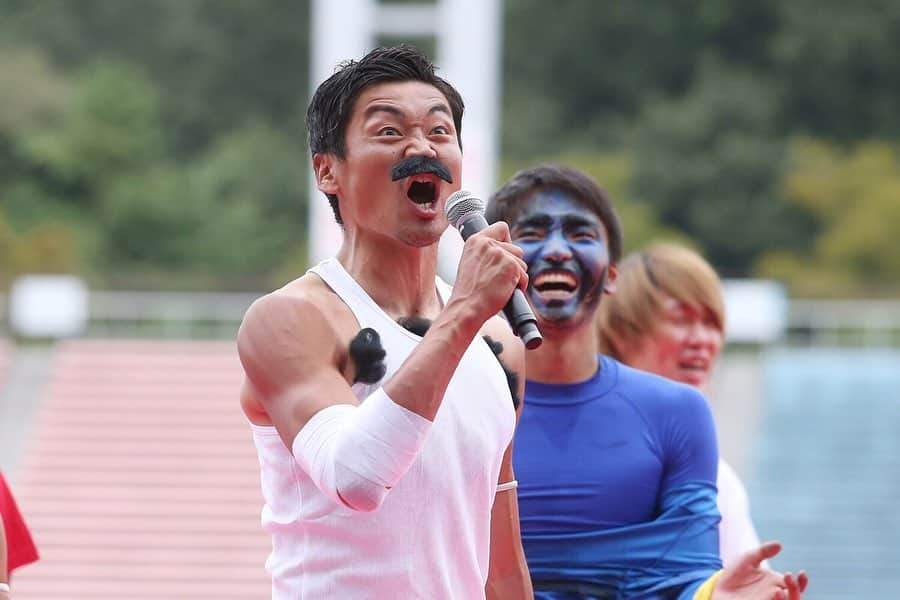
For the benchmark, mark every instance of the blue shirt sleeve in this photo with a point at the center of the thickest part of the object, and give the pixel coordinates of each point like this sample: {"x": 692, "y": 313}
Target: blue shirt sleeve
{"x": 688, "y": 490}
{"x": 689, "y": 445}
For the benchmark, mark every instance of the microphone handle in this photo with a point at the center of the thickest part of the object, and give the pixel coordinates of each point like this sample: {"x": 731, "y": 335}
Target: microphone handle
{"x": 518, "y": 313}
{"x": 517, "y": 310}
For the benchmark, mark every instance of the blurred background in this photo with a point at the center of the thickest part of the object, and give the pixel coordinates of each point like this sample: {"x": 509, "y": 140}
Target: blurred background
{"x": 154, "y": 180}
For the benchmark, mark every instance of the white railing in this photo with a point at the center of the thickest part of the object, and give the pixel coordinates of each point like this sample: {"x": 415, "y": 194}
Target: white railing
{"x": 218, "y": 315}
{"x": 841, "y": 322}
{"x": 167, "y": 314}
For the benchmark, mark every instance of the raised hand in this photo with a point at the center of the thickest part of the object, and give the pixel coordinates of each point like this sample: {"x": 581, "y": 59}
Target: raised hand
{"x": 748, "y": 580}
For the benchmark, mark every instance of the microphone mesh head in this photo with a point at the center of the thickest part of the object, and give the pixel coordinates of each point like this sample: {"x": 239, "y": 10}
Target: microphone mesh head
{"x": 461, "y": 204}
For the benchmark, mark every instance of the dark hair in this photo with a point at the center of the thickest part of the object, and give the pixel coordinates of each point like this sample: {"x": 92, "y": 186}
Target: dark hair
{"x": 332, "y": 103}
{"x": 507, "y": 202}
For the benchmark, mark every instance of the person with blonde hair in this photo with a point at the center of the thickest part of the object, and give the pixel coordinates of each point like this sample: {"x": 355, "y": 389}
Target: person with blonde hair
{"x": 668, "y": 317}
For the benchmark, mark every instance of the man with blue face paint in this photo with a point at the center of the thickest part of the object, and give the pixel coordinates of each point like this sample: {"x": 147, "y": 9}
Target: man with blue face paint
{"x": 565, "y": 248}
{"x": 616, "y": 467}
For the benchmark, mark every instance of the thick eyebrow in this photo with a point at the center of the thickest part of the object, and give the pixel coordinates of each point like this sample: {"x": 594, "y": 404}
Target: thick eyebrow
{"x": 393, "y": 110}
{"x": 540, "y": 221}
{"x": 579, "y": 221}
{"x": 387, "y": 108}
{"x": 440, "y": 108}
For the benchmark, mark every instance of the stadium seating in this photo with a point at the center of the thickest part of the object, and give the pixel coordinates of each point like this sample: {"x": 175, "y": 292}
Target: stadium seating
{"x": 140, "y": 479}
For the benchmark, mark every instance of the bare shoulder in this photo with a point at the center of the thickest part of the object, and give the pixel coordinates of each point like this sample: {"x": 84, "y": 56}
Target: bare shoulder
{"x": 277, "y": 314}
{"x": 293, "y": 346}
{"x": 301, "y": 323}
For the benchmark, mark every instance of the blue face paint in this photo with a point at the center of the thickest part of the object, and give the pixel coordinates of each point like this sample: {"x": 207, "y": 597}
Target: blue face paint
{"x": 566, "y": 251}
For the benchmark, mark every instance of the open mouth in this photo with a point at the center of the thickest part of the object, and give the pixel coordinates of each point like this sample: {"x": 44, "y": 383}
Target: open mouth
{"x": 557, "y": 284}
{"x": 694, "y": 370}
{"x": 422, "y": 190}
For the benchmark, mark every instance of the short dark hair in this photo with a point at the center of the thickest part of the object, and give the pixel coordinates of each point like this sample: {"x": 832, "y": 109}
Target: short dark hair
{"x": 507, "y": 202}
{"x": 332, "y": 103}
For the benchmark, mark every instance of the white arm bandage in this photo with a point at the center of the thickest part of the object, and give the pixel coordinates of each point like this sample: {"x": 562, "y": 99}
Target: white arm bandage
{"x": 356, "y": 454}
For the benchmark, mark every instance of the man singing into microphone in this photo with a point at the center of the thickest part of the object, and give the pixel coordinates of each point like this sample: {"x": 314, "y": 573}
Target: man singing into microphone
{"x": 393, "y": 481}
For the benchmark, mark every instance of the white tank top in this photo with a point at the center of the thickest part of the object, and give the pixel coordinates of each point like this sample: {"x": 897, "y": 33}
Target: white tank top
{"x": 431, "y": 536}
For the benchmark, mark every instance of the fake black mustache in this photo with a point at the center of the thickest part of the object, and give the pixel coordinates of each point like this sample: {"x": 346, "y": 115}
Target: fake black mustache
{"x": 418, "y": 165}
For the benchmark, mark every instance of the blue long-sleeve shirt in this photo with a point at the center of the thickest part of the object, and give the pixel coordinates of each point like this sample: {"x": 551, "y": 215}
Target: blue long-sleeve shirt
{"x": 617, "y": 486}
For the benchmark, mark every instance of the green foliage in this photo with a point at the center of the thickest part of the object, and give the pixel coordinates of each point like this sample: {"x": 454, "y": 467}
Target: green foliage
{"x": 583, "y": 71}
{"x": 234, "y": 213}
{"x": 216, "y": 63}
{"x": 33, "y": 93}
{"x": 162, "y": 140}
{"x": 704, "y": 96}
{"x": 580, "y": 69}
{"x": 708, "y": 164}
{"x": 112, "y": 128}
{"x": 838, "y": 65}
{"x": 166, "y": 134}
{"x": 46, "y": 248}
{"x": 855, "y": 195}
{"x": 6, "y": 244}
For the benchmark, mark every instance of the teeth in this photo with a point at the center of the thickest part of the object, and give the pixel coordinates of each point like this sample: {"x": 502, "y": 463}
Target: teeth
{"x": 556, "y": 277}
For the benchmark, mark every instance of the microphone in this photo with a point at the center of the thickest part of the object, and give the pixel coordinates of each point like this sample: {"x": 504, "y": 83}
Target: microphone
{"x": 466, "y": 213}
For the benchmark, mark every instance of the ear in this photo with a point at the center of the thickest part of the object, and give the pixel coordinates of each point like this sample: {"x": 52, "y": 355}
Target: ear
{"x": 609, "y": 286}
{"x": 324, "y": 168}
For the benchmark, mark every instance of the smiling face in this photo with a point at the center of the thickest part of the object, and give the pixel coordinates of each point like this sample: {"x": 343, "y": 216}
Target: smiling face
{"x": 392, "y": 122}
{"x": 565, "y": 247}
{"x": 683, "y": 345}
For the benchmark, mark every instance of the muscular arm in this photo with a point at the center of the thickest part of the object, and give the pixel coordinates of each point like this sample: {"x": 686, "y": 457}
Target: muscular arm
{"x": 292, "y": 356}
{"x": 508, "y": 577}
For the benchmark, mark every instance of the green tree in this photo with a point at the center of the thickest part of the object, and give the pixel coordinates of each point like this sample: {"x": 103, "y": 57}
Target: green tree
{"x": 580, "y": 72}
{"x": 855, "y": 195}
{"x": 46, "y": 248}
{"x": 255, "y": 180}
{"x": 580, "y": 69}
{"x": 229, "y": 219}
{"x": 709, "y": 162}
{"x": 216, "y": 63}
{"x": 33, "y": 93}
{"x": 111, "y": 130}
{"x": 33, "y": 96}
{"x": 837, "y": 63}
